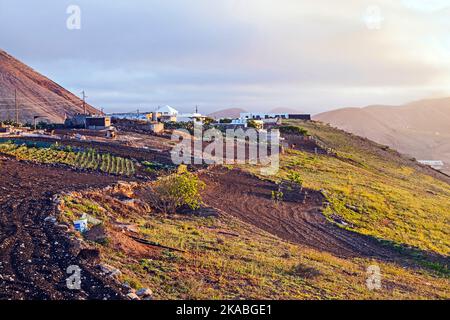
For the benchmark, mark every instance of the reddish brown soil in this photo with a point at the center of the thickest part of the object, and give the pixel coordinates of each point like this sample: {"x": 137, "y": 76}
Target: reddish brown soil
{"x": 34, "y": 255}
{"x": 36, "y": 94}
{"x": 250, "y": 199}
{"x": 131, "y": 248}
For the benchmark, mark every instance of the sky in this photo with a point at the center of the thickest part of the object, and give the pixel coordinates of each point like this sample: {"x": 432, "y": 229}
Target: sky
{"x": 310, "y": 56}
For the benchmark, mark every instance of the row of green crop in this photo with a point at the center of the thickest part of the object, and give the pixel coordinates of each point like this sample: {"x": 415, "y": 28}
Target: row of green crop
{"x": 89, "y": 159}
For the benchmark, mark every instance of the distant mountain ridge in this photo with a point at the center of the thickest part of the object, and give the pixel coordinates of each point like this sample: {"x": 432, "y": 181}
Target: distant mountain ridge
{"x": 227, "y": 113}
{"x": 284, "y": 110}
{"x": 420, "y": 129}
{"x": 36, "y": 94}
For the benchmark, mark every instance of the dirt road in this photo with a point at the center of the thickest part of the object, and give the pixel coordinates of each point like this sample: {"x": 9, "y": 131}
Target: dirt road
{"x": 250, "y": 199}
{"x": 34, "y": 255}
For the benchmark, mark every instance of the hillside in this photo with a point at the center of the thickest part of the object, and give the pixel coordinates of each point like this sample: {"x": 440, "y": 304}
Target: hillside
{"x": 361, "y": 205}
{"x": 36, "y": 94}
{"x": 376, "y": 190}
{"x": 420, "y": 129}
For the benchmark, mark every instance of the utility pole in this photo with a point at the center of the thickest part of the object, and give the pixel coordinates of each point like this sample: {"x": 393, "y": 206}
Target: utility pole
{"x": 84, "y": 102}
{"x": 17, "y": 106}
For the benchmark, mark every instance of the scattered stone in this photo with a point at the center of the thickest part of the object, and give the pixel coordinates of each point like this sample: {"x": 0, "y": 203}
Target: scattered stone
{"x": 96, "y": 233}
{"x": 109, "y": 270}
{"x": 207, "y": 212}
{"x": 50, "y": 219}
{"x": 133, "y": 296}
{"x": 144, "y": 292}
{"x": 93, "y": 221}
{"x": 63, "y": 227}
{"x": 338, "y": 219}
{"x": 127, "y": 227}
{"x": 75, "y": 246}
{"x": 126, "y": 285}
{"x": 91, "y": 255}
{"x": 353, "y": 208}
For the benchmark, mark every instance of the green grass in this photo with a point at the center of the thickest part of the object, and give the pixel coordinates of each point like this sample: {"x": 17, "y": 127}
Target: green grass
{"x": 374, "y": 189}
{"x": 224, "y": 258}
{"x": 378, "y": 192}
{"x": 89, "y": 159}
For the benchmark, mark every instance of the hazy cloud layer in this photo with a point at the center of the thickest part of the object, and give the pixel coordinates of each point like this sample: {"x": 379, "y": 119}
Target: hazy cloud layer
{"x": 254, "y": 54}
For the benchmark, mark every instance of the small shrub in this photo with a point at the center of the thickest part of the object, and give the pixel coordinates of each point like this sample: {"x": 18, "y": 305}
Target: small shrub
{"x": 277, "y": 195}
{"x": 175, "y": 191}
{"x": 295, "y": 177}
{"x": 293, "y": 130}
{"x": 305, "y": 272}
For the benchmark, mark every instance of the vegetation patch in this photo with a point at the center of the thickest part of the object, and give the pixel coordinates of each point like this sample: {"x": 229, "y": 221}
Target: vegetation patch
{"x": 175, "y": 191}
{"x": 293, "y": 130}
{"x": 223, "y": 258}
{"x": 88, "y": 159}
{"x": 379, "y": 193}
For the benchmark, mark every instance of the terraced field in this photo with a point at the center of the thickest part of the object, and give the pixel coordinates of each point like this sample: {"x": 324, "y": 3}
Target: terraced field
{"x": 82, "y": 159}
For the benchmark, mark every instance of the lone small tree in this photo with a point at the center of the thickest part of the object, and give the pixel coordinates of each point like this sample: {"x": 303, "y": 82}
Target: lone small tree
{"x": 175, "y": 191}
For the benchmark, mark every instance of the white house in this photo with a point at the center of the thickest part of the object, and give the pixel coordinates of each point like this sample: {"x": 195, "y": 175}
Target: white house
{"x": 435, "y": 164}
{"x": 188, "y": 117}
{"x": 263, "y": 115}
{"x": 129, "y": 116}
{"x": 167, "y": 111}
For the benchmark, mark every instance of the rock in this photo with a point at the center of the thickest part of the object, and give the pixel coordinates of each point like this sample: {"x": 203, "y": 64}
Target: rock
{"x": 133, "y": 296}
{"x": 353, "y": 208}
{"x": 50, "y": 219}
{"x": 63, "y": 227}
{"x": 338, "y": 219}
{"x": 115, "y": 273}
{"x": 75, "y": 246}
{"x": 96, "y": 233}
{"x": 109, "y": 270}
{"x": 208, "y": 212}
{"x": 93, "y": 221}
{"x": 126, "y": 285}
{"x": 90, "y": 255}
{"x": 144, "y": 292}
{"x": 127, "y": 227}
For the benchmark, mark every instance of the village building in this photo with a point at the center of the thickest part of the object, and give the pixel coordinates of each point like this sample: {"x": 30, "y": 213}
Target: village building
{"x": 88, "y": 122}
{"x": 268, "y": 117}
{"x": 156, "y": 127}
{"x": 98, "y": 123}
{"x": 435, "y": 164}
{"x": 130, "y": 116}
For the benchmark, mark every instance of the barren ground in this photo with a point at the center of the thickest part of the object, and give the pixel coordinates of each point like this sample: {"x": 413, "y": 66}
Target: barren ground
{"x": 34, "y": 255}
{"x": 250, "y": 199}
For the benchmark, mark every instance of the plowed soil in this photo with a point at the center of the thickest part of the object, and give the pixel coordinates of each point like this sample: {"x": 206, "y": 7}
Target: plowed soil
{"x": 34, "y": 255}
{"x": 250, "y": 199}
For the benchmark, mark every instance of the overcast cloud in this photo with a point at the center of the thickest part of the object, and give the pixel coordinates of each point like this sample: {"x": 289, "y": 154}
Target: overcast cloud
{"x": 254, "y": 54}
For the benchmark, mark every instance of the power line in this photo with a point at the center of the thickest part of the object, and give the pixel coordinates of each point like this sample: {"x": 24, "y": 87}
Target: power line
{"x": 84, "y": 102}
{"x": 16, "y": 105}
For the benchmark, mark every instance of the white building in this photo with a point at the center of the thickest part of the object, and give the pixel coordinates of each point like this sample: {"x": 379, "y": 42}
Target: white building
{"x": 129, "y": 116}
{"x": 263, "y": 115}
{"x": 240, "y": 121}
{"x": 435, "y": 164}
{"x": 167, "y": 111}
{"x": 188, "y": 117}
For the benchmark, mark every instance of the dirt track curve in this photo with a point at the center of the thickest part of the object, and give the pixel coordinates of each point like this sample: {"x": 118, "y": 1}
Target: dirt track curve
{"x": 250, "y": 199}
{"x": 34, "y": 255}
